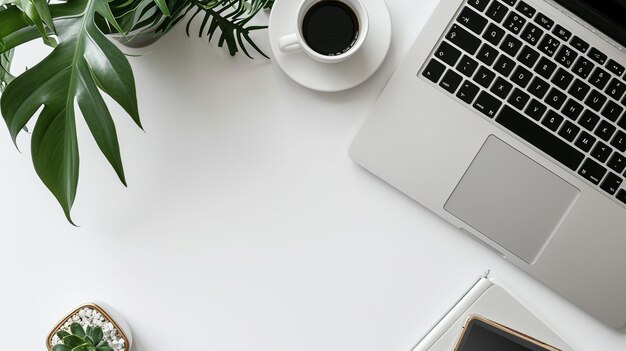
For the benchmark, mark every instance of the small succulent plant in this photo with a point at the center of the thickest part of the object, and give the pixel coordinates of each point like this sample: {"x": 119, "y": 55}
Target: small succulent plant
{"x": 80, "y": 339}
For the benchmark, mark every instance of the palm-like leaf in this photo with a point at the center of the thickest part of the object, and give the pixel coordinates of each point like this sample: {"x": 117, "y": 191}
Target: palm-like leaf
{"x": 83, "y": 63}
{"x": 231, "y": 17}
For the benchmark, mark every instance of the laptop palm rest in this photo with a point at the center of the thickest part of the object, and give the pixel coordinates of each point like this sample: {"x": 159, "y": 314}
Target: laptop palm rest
{"x": 512, "y": 199}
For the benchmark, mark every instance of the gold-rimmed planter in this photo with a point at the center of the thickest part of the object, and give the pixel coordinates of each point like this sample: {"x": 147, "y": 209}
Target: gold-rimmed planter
{"x": 108, "y": 313}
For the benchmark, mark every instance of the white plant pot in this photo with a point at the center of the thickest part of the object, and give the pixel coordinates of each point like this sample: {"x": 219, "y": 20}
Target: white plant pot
{"x": 137, "y": 45}
{"x": 109, "y": 315}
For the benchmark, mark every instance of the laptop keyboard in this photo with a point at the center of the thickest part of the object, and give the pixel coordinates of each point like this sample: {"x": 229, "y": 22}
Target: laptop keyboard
{"x": 536, "y": 79}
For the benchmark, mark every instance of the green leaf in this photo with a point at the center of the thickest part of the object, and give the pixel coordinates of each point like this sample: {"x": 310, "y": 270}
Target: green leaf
{"x": 38, "y": 12}
{"x": 44, "y": 12}
{"x": 97, "y": 335}
{"x": 84, "y": 347}
{"x": 62, "y": 333}
{"x": 77, "y": 330}
{"x": 61, "y": 347}
{"x": 5, "y": 70}
{"x": 163, "y": 7}
{"x": 73, "y": 341}
{"x": 104, "y": 348}
{"x": 230, "y": 17}
{"x": 83, "y": 63}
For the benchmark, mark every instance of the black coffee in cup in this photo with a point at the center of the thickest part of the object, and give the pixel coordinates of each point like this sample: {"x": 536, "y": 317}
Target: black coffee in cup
{"x": 330, "y": 27}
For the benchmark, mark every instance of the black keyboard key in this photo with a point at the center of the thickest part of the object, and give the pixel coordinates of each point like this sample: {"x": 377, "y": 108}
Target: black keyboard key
{"x": 472, "y": 20}
{"x": 521, "y": 76}
{"x": 605, "y": 130}
{"x": 434, "y": 70}
{"x": 612, "y": 111}
{"x": 622, "y": 122}
{"x": 601, "y": 152}
{"x": 514, "y": 22}
{"x": 598, "y": 56}
{"x": 579, "y": 44}
{"x": 572, "y": 109}
{"x": 548, "y": 45}
{"x": 532, "y": 34}
{"x": 569, "y": 131}
{"x": 538, "y": 87}
{"x": 583, "y": 67}
{"x": 579, "y": 89}
{"x": 589, "y": 120}
{"x": 526, "y": 9}
{"x": 544, "y": 21}
{"x": 467, "y": 92}
{"x": 545, "y": 68}
{"x": 616, "y": 89}
{"x": 487, "y": 54}
{"x": 501, "y": 88}
{"x": 451, "y": 81}
{"x": 535, "y": 110}
{"x": 621, "y": 196}
{"x": 612, "y": 183}
{"x": 540, "y": 137}
{"x": 552, "y": 120}
{"x": 494, "y": 34}
{"x": 478, "y": 4}
{"x": 497, "y": 11}
{"x": 518, "y": 99}
{"x": 509, "y": 2}
{"x": 467, "y": 66}
{"x": 528, "y": 57}
{"x": 511, "y": 45}
{"x": 592, "y": 171}
{"x": 562, "y": 78}
{"x": 504, "y": 65}
{"x": 595, "y": 100}
{"x": 555, "y": 98}
{"x": 617, "y": 162}
{"x": 599, "y": 78}
{"x": 448, "y": 53}
{"x": 566, "y": 56}
{"x": 615, "y": 67}
{"x": 484, "y": 77}
{"x": 562, "y": 33}
{"x": 487, "y": 104}
{"x": 619, "y": 142}
{"x": 585, "y": 141}
{"x": 463, "y": 39}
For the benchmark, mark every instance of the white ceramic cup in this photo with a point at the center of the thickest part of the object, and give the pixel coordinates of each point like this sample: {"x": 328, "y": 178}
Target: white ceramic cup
{"x": 295, "y": 41}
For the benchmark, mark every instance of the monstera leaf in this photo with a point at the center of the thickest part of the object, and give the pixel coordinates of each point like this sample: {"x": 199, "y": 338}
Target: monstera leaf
{"x": 83, "y": 64}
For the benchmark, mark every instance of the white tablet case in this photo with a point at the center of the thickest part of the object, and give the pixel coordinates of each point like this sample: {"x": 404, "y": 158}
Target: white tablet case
{"x": 491, "y": 300}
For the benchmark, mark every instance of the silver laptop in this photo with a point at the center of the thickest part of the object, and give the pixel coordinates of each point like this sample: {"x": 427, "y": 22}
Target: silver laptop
{"x": 507, "y": 119}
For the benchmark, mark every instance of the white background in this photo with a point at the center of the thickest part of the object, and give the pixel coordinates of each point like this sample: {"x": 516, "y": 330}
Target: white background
{"x": 245, "y": 225}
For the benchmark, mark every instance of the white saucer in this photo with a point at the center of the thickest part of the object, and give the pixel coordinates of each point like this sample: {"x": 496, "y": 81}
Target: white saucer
{"x": 331, "y": 77}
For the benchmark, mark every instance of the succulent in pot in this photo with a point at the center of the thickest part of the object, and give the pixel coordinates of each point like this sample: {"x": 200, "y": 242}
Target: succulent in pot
{"x": 79, "y": 339}
{"x": 91, "y": 327}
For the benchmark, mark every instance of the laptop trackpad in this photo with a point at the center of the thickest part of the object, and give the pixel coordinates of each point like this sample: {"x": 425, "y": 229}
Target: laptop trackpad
{"x": 511, "y": 199}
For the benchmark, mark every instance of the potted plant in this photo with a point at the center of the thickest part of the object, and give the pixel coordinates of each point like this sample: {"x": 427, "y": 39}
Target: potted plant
{"x": 90, "y": 328}
{"x": 85, "y": 63}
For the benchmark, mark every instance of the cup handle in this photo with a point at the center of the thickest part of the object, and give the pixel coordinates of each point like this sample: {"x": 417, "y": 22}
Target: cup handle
{"x": 289, "y": 43}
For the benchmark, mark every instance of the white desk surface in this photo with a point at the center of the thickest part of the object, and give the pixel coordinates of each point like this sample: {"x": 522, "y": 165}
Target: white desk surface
{"x": 245, "y": 225}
